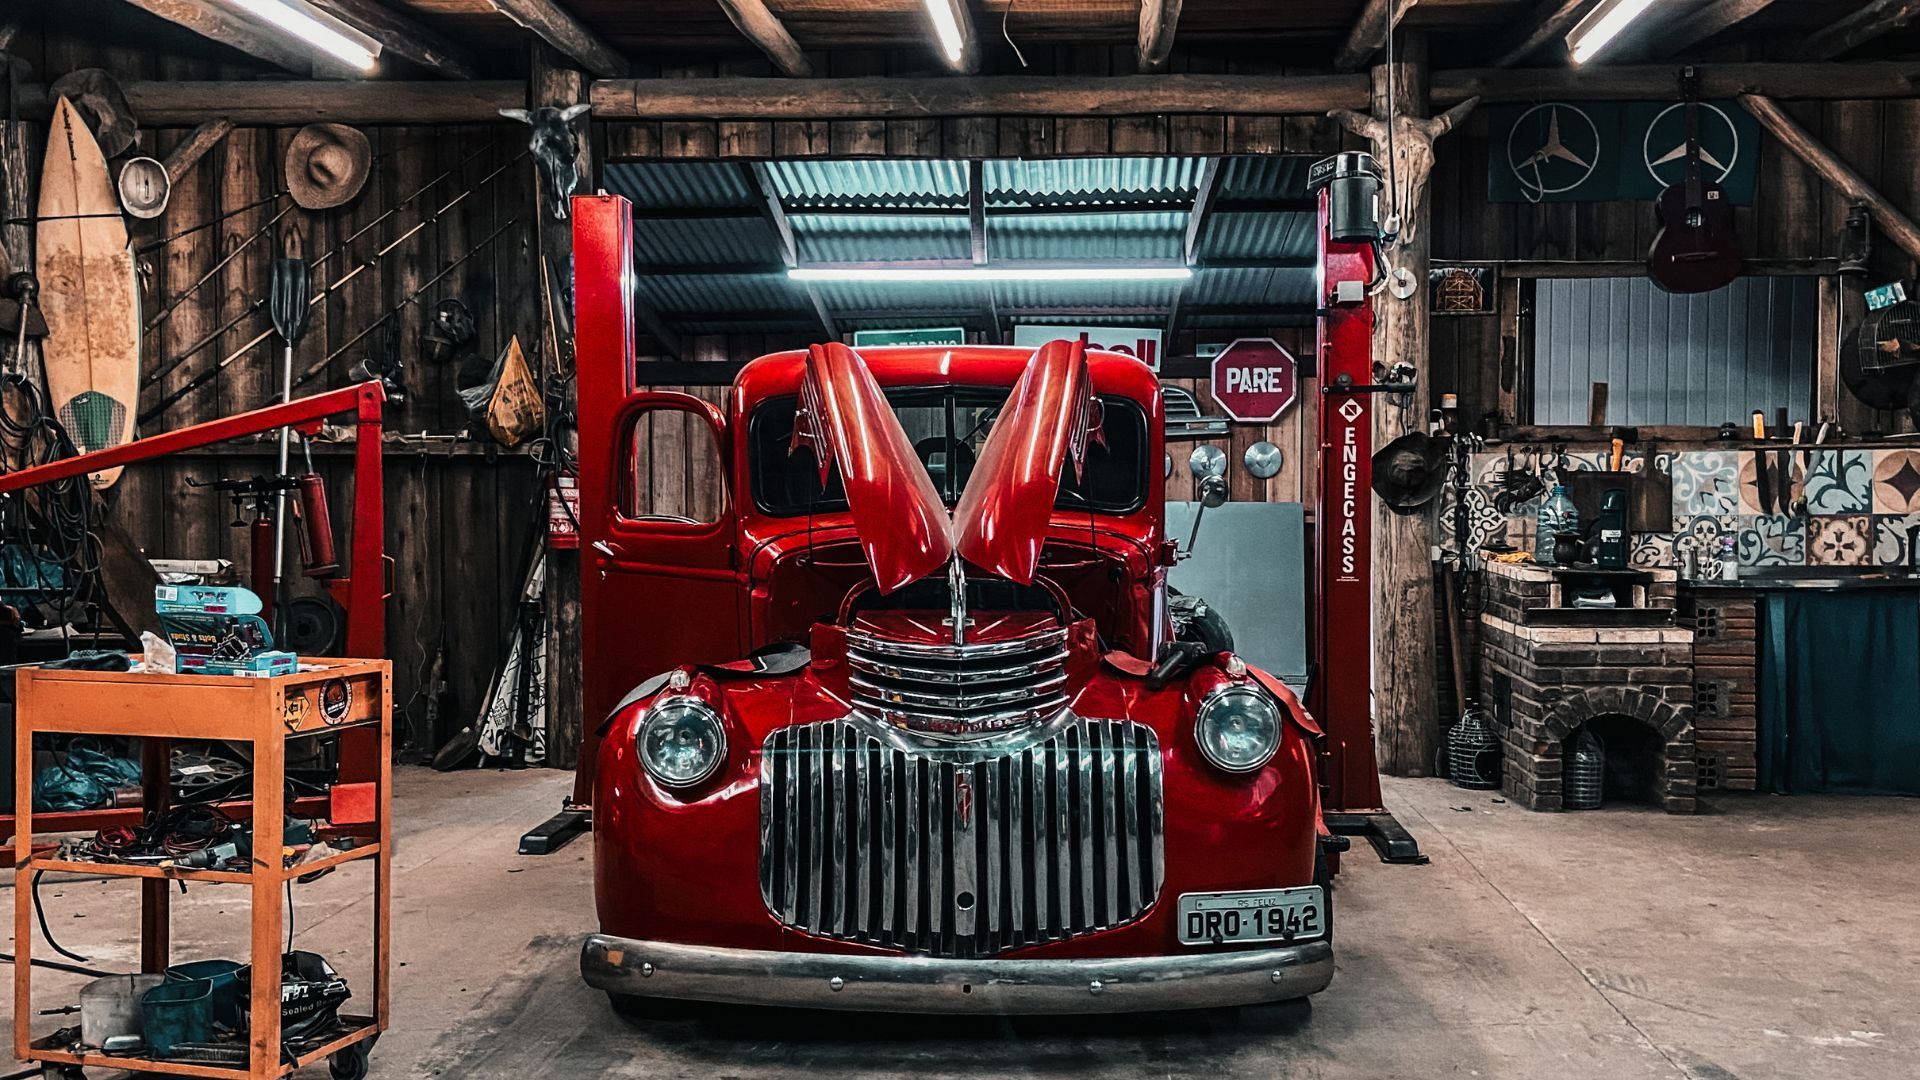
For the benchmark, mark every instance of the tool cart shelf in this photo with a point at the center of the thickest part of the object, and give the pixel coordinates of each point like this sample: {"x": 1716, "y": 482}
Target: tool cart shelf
{"x": 353, "y": 698}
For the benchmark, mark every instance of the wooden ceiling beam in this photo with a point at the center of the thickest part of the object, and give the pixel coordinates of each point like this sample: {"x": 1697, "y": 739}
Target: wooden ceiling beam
{"x": 769, "y": 35}
{"x": 759, "y": 181}
{"x": 1715, "y": 18}
{"x": 278, "y": 103}
{"x": 557, "y": 27}
{"x": 402, "y": 36}
{"x": 1639, "y": 82}
{"x": 1369, "y": 34}
{"x": 1154, "y": 45}
{"x": 1204, "y": 190}
{"x": 224, "y": 27}
{"x": 1875, "y": 19}
{"x": 1552, "y": 19}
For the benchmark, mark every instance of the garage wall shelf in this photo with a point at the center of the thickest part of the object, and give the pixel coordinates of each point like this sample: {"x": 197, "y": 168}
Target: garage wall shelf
{"x": 326, "y": 696}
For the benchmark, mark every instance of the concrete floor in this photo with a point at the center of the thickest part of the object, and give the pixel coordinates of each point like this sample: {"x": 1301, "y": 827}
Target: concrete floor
{"x": 1769, "y": 937}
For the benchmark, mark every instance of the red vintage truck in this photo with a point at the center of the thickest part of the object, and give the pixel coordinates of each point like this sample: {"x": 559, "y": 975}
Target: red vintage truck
{"x": 897, "y": 717}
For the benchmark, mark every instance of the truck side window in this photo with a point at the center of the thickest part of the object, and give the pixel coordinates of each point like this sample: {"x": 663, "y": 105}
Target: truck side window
{"x": 674, "y": 471}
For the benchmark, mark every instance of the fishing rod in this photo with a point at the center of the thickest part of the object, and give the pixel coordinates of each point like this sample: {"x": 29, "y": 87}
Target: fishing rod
{"x": 181, "y": 297}
{"x": 201, "y": 379}
{"x": 217, "y": 267}
{"x": 256, "y": 305}
{"x": 411, "y": 299}
{"x": 156, "y": 245}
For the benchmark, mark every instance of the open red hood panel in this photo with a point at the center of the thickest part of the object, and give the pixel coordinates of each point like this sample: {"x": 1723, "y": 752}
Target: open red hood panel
{"x": 1001, "y": 521}
{"x": 846, "y": 420}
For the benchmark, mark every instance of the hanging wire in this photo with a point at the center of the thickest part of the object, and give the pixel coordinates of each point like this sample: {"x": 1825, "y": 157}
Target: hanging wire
{"x": 1393, "y": 107}
{"x": 51, "y": 524}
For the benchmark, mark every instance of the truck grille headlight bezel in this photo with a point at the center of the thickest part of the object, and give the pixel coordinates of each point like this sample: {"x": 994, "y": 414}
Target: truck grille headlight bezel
{"x": 1245, "y": 714}
{"x": 693, "y": 725}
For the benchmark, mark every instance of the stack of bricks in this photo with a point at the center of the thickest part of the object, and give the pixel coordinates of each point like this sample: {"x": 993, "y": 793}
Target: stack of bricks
{"x": 1725, "y": 686}
{"x": 1543, "y": 682}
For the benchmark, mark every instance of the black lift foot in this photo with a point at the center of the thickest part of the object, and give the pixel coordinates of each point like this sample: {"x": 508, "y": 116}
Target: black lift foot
{"x": 557, "y": 831}
{"x": 1390, "y": 840}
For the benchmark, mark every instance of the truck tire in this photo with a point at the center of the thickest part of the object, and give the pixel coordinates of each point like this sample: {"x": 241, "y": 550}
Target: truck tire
{"x": 1196, "y": 620}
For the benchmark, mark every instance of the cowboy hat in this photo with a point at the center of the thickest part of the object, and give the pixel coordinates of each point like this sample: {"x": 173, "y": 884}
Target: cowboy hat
{"x": 1408, "y": 471}
{"x": 99, "y": 99}
{"x": 327, "y": 165}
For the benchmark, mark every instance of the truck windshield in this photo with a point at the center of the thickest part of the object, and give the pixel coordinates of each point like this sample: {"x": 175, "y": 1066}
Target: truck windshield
{"x": 948, "y": 426}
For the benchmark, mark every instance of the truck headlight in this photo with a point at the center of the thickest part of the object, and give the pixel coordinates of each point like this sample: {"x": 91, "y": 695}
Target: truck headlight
{"x": 1238, "y": 728}
{"x": 682, "y": 741}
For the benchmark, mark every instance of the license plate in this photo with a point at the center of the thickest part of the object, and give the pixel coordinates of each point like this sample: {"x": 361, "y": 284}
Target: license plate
{"x": 1222, "y": 918}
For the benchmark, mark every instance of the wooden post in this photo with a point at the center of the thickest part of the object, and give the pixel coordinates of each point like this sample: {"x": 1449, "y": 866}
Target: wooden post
{"x": 16, "y": 210}
{"x": 1405, "y": 682}
{"x": 555, "y": 82}
{"x": 1888, "y": 218}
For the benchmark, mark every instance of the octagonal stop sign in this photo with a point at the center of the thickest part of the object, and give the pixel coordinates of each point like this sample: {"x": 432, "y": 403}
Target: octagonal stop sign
{"x": 1255, "y": 380}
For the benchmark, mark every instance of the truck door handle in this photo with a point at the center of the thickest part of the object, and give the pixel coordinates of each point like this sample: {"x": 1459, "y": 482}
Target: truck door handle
{"x": 606, "y": 551}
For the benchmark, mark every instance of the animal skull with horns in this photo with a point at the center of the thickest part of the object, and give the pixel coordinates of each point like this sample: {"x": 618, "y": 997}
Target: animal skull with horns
{"x": 555, "y": 144}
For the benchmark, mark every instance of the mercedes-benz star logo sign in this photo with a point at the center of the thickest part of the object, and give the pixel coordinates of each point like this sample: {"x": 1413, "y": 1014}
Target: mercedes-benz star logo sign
{"x": 1551, "y": 148}
{"x": 1664, "y": 146}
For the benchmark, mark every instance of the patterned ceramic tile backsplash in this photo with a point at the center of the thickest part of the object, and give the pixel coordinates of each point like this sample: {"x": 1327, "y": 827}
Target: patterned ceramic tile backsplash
{"x": 1844, "y": 507}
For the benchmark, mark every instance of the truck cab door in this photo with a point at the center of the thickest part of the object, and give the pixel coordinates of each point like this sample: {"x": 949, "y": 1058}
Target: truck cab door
{"x": 658, "y": 583}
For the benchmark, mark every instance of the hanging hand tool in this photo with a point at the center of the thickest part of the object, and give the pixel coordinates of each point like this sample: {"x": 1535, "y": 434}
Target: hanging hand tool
{"x": 1782, "y": 463}
{"x": 1762, "y": 484}
{"x": 291, "y": 285}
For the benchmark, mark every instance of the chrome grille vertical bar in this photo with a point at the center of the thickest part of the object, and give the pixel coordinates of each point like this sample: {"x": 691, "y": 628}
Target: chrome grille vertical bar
{"x": 937, "y": 786}
{"x": 1131, "y": 840}
{"x": 1042, "y": 829}
{"x": 1112, "y": 749}
{"x": 1018, "y": 846}
{"x": 1062, "y": 754}
{"x": 808, "y": 760}
{"x": 1156, "y": 821}
{"x": 836, "y": 868}
{"x": 770, "y": 881}
{"x": 888, "y": 929}
{"x": 989, "y": 817}
{"x": 910, "y": 773}
{"x": 1083, "y": 824}
{"x": 963, "y": 853}
{"x": 861, "y": 848}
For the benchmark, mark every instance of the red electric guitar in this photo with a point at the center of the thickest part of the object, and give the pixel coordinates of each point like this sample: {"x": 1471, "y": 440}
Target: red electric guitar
{"x": 1696, "y": 249}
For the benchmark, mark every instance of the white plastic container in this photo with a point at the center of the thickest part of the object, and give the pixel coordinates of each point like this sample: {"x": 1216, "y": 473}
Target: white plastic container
{"x": 111, "y": 1006}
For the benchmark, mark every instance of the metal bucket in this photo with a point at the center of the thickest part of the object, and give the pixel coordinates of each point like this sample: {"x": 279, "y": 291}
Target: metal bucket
{"x": 1583, "y": 779}
{"x": 110, "y": 1006}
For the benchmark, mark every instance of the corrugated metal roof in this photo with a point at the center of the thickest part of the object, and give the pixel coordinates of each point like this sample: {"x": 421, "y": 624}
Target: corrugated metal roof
{"x": 1278, "y": 176}
{"x": 1066, "y": 181}
{"x": 679, "y": 185}
{"x": 704, "y": 241}
{"x": 1085, "y": 237}
{"x": 1238, "y": 235}
{"x": 826, "y": 238}
{"x": 721, "y": 292}
{"x": 1164, "y": 186}
{"x": 869, "y": 182}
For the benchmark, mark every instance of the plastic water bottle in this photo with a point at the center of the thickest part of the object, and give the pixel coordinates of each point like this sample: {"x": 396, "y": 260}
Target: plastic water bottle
{"x": 1556, "y": 515}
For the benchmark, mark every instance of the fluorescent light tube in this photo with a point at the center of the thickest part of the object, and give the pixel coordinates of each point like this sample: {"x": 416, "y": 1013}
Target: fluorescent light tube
{"x": 908, "y": 274}
{"x": 1602, "y": 25}
{"x": 946, "y": 27}
{"x": 316, "y": 28}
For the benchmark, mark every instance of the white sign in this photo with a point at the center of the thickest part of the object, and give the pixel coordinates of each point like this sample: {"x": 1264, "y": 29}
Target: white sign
{"x": 1133, "y": 341}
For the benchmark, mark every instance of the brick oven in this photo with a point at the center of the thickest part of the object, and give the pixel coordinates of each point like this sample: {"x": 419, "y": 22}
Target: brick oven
{"x": 1550, "y": 668}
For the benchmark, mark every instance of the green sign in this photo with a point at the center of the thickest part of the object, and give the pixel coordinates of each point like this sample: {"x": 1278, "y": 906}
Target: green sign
{"x": 1600, "y": 151}
{"x": 951, "y": 335}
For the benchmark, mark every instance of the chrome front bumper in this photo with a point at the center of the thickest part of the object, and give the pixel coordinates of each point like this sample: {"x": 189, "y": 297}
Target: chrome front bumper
{"x": 925, "y": 984}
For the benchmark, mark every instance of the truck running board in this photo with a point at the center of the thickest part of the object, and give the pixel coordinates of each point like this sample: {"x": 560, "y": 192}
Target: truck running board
{"x": 1390, "y": 840}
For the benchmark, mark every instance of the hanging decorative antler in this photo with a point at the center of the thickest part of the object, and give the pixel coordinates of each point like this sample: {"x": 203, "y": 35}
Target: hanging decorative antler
{"x": 1412, "y": 145}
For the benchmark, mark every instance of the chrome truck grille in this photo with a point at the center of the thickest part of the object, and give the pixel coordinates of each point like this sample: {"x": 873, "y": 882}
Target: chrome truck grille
{"x": 955, "y": 852}
{"x": 959, "y": 690}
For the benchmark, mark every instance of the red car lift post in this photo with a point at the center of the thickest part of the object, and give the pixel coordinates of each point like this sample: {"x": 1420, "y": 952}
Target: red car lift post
{"x": 363, "y": 593}
{"x": 1341, "y": 695}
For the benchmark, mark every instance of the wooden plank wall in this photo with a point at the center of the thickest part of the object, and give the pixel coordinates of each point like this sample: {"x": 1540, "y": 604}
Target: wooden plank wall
{"x": 1794, "y": 216}
{"x": 458, "y": 517}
